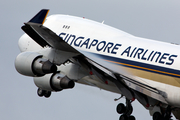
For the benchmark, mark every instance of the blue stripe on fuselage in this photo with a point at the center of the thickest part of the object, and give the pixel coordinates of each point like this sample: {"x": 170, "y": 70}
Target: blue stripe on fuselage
{"x": 140, "y": 65}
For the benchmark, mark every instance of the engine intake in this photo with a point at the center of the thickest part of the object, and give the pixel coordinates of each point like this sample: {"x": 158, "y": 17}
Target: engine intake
{"x": 32, "y": 64}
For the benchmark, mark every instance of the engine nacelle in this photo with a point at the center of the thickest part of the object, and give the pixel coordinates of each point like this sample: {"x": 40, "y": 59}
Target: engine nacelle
{"x": 32, "y": 64}
{"x": 53, "y": 82}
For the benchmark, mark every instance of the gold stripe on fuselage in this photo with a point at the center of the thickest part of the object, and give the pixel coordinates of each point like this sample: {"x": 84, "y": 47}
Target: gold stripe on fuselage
{"x": 170, "y": 80}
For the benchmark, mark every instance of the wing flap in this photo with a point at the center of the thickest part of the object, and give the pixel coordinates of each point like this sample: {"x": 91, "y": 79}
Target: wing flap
{"x": 145, "y": 89}
{"x": 128, "y": 84}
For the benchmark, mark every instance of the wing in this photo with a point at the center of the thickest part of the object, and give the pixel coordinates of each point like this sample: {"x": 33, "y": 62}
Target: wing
{"x": 44, "y": 36}
{"x": 130, "y": 86}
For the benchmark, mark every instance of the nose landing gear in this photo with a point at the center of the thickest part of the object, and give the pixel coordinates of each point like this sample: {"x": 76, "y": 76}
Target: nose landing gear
{"x": 125, "y": 111}
{"x": 44, "y": 93}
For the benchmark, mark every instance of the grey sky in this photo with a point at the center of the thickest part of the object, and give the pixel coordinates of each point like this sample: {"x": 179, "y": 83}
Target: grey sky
{"x": 155, "y": 19}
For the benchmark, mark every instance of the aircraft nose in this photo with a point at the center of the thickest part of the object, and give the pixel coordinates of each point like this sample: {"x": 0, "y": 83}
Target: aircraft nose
{"x": 22, "y": 43}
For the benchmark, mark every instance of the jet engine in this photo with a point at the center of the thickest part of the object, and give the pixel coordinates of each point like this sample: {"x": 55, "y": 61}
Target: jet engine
{"x": 53, "y": 82}
{"x": 33, "y": 64}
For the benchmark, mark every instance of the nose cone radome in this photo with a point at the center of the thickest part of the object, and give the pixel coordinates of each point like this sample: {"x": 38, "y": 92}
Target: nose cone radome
{"x": 28, "y": 44}
{"x": 23, "y": 42}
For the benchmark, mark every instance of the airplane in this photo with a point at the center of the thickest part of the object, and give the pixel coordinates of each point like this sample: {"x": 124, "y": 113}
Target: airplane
{"x": 61, "y": 50}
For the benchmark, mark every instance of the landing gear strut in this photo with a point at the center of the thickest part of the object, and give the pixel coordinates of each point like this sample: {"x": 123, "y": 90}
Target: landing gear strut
{"x": 126, "y": 111}
{"x": 44, "y": 93}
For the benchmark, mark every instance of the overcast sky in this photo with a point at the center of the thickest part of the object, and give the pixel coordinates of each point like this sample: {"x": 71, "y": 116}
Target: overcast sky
{"x": 154, "y": 19}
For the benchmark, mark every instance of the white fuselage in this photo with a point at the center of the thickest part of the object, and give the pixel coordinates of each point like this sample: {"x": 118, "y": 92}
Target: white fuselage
{"x": 156, "y": 63}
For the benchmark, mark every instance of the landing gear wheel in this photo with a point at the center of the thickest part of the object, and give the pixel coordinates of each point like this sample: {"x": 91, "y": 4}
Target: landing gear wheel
{"x": 129, "y": 110}
{"x": 126, "y": 111}
{"x": 40, "y": 92}
{"x": 44, "y": 93}
{"x": 132, "y": 118}
{"x": 47, "y": 94}
{"x": 157, "y": 116}
{"x": 123, "y": 117}
{"x": 120, "y": 108}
